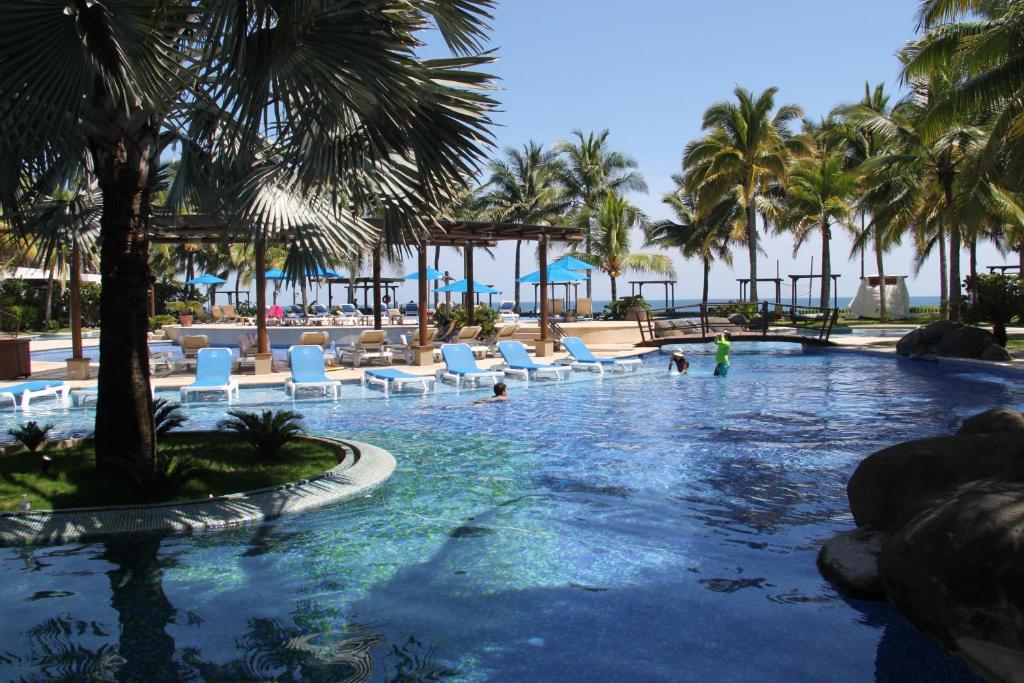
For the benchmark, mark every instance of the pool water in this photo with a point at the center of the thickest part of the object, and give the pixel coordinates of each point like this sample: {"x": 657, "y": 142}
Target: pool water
{"x": 631, "y": 528}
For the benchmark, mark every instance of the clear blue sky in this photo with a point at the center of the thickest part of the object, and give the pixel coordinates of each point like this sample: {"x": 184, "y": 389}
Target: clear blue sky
{"x": 647, "y": 69}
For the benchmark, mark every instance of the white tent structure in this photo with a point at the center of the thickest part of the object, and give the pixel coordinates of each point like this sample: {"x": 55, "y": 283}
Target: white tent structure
{"x": 867, "y": 302}
{"x": 40, "y": 274}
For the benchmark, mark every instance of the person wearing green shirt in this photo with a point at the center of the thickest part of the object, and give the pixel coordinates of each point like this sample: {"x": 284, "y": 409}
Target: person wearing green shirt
{"x": 722, "y": 354}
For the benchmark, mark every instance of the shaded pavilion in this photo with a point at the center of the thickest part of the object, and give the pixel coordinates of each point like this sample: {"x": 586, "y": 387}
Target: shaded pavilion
{"x": 794, "y": 279}
{"x": 1003, "y": 268}
{"x": 444, "y": 233}
{"x": 636, "y": 288}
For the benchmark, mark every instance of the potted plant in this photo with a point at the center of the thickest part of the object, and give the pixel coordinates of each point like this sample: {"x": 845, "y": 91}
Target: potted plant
{"x": 186, "y": 310}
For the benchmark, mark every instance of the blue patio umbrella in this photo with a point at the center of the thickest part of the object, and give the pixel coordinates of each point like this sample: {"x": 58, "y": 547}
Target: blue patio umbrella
{"x": 206, "y": 279}
{"x": 275, "y": 274}
{"x": 431, "y": 275}
{"x": 462, "y": 286}
{"x": 555, "y": 276}
{"x": 572, "y": 263}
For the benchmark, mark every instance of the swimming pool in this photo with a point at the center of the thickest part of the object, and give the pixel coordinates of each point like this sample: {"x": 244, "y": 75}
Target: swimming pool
{"x": 647, "y": 528}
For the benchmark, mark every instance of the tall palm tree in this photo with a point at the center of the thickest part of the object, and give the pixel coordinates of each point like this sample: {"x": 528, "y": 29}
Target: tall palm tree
{"x": 820, "y": 191}
{"x": 926, "y": 168}
{"x": 708, "y": 236}
{"x": 523, "y": 188}
{"x": 862, "y": 145}
{"x": 610, "y": 242}
{"x": 328, "y": 95}
{"x": 590, "y": 172}
{"x": 748, "y": 147}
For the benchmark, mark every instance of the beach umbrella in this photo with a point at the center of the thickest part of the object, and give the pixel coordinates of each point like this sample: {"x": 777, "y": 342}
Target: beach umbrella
{"x": 206, "y": 279}
{"x": 275, "y": 274}
{"x": 431, "y": 275}
{"x": 462, "y": 286}
{"x": 555, "y": 276}
{"x": 572, "y": 263}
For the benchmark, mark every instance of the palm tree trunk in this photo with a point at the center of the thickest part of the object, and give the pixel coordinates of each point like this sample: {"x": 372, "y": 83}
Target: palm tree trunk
{"x": 437, "y": 266}
{"x": 707, "y": 277}
{"x": 882, "y": 293}
{"x": 973, "y": 255}
{"x": 615, "y": 294}
{"x": 48, "y": 312}
{"x": 943, "y": 281}
{"x": 752, "y": 247}
{"x": 238, "y": 285}
{"x": 955, "y": 245}
{"x": 519, "y": 246}
{"x": 124, "y": 410}
{"x": 826, "y": 267}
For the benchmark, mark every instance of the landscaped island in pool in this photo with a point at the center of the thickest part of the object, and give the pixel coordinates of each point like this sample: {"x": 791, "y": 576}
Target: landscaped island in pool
{"x": 639, "y": 528}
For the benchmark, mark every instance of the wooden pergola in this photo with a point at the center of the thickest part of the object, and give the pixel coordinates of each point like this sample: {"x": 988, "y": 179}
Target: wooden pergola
{"x": 745, "y": 283}
{"x": 200, "y": 229}
{"x": 636, "y": 288}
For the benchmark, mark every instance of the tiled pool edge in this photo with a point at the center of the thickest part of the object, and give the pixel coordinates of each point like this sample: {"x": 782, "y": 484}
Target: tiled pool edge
{"x": 371, "y": 467}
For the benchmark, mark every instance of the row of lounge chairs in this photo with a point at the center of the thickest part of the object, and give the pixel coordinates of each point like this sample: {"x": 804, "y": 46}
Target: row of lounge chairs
{"x": 308, "y": 371}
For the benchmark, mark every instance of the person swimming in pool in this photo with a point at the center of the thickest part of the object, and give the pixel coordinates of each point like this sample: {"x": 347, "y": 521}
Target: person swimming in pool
{"x": 500, "y": 394}
{"x": 678, "y": 359}
{"x": 722, "y": 354}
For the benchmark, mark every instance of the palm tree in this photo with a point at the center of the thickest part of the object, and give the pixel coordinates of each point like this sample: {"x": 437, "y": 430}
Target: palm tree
{"x": 331, "y": 118}
{"x": 819, "y": 195}
{"x": 610, "y": 242}
{"x": 862, "y": 145}
{"x": 590, "y": 172}
{"x": 708, "y": 236}
{"x": 978, "y": 43}
{"x": 748, "y": 147}
{"x": 523, "y": 189}
{"x": 925, "y": 171}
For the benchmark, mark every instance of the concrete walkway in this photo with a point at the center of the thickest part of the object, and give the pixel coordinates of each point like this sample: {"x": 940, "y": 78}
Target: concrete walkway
{"x": 364, "y": 467}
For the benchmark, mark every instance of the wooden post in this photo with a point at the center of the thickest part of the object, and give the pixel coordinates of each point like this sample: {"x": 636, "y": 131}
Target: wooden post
{"x": 378, "y": 324}
{"x": 422, "y": 354}
{"x": 264, "y": 361}
{"x": 470, "y": 296}
{"x": 76, "y": 300}
{"x": 545, "y": 345}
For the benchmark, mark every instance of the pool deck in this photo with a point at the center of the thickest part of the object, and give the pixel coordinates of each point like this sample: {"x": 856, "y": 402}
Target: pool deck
{"x": 363, "y": 468}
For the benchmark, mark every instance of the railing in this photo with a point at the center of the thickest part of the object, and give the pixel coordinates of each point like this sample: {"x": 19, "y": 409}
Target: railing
{"x": 8, "y": 316}
{"x": 760, "y": 316}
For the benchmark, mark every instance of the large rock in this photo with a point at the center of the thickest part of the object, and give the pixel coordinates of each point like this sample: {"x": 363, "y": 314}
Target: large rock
{"x": 957, "y": 570}
{"x": 965, "y": 342}
{"x": 738, "y": 319}
{"x": 891, "y": 486}
{"x": 912, "y": 343}
{"x": 995, "y": 352}
{"x": 850, "y": 561}
{"x": 995, "y": 420}
{"x": 932, "y": 333}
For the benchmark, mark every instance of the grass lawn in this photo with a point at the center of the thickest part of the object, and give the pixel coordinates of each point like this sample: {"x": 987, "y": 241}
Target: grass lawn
{"x": 1015, "y": 342}
{"x": 231, "y": 465}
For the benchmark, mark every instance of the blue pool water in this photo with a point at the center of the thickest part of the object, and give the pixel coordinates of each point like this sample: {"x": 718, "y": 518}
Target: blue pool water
{"x": 647, "y": 528}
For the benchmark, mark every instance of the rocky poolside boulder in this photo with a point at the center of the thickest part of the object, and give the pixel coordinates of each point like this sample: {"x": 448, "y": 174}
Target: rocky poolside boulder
{"x": 940, "y": 534}
{"x": 952, "y": 340}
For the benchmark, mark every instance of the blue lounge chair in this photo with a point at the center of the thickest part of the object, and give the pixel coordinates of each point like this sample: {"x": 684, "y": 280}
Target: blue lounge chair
{"x": 518, "y": 362}
{"x": 460, "y": 365}
{"x": 349, "y": 314}
{"x": 410, "y": 314}
{"x": 307, "y": 362}
{"x": 584, "y": 359}
{"x": 320, "y": 315}
{"x": 294, "y": 315}
{"x": 22, "y": 394}
{"x": 389, "y": 377}
{"x": 213, "y": 374}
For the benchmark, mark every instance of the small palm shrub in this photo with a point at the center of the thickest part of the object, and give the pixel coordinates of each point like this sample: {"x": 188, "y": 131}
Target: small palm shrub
{"x": 266, "y": 432}
{"x": 31, "y": 435}
{"x": 167, "y": 416}
{"x": 164, "y": 479}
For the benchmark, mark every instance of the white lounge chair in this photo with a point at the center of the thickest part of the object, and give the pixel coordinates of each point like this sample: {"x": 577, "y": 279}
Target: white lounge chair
{"x": 507, "y": 312}
{"x": 467, "y": 335}
{"x": 518, "y": 363}
{"x": 371, "y": 346}
{"x": 584, "y": 359}
{"x": 213, "y": 374}
{"x": 460, "y": 365}
{"x": 348, "y": 314}
{"x": 307, "y": 363}
{"x": 21, "y": 395}
{"x": 390, "y": 377}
